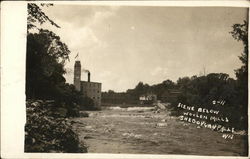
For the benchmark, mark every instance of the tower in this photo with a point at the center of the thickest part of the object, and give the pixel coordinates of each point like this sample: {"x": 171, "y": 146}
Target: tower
{"x": 77, "y": 75}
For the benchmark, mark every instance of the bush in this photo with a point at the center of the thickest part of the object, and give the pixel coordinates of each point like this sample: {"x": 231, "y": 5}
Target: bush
{"x": 46, "y": 131}
{"x": 86, "y": 103}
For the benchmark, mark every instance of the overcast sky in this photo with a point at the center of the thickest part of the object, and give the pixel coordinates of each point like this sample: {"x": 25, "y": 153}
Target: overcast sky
{"x": 124, "y": 45}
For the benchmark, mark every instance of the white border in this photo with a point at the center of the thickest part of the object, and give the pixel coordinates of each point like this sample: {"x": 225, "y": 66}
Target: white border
{"x": 13, "y": 49}
{"x": 179, "y": 3}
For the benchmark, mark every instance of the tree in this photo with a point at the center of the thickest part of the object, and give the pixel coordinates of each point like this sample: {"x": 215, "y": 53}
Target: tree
{"x": 168, "y": 84}
{"x": 45, "y": 59}
{"x": 183, "y": 82}
{"x": 111, "y": 91}
{"x": 240, "y": 33}
{"x": 46, "y": 55}
{"x": 36, "y": 15}
{"x": 46, "y": 128}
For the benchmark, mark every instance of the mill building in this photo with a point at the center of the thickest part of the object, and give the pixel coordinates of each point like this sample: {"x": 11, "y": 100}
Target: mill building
{"x": 87, "y": 88}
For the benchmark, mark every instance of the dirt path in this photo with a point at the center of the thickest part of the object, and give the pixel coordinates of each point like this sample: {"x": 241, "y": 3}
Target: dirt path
{"x": 116, "y": 131}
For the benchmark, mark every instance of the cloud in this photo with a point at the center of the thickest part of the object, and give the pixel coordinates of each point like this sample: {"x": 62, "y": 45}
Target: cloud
{"x": 132, "y": 27}
{"x": 159, "y": 71}
{"x": 124, "y": 45}
{"x": 156, "y": 71}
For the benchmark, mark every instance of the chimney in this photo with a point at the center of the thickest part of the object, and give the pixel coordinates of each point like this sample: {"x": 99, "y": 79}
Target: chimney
{"x": 88, "y": 76}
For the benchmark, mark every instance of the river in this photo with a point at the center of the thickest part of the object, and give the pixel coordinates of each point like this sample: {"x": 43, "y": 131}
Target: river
{"x": 147, "y": 132}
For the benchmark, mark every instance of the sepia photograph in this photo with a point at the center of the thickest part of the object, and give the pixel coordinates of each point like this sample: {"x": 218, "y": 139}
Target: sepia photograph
{"x": 124, "y": 79}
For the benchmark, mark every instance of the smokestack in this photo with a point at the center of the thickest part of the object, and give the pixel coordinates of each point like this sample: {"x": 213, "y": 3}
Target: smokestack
{"x": 88, "y": 76}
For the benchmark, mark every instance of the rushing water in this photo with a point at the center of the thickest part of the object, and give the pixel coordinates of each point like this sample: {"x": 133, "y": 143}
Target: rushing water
{"x": 142, "y": 131}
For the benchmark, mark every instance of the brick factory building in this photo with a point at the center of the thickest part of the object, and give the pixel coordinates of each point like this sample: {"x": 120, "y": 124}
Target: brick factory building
{"x": 87, "y": 88}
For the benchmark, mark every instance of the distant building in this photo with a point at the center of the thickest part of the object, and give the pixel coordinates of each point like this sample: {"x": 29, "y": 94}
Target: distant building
{"x": 87, "y": 88}
{"x": 147, "y": 99}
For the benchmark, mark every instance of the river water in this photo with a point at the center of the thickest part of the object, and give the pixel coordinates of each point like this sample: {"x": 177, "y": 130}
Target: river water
{"x": 146, "y": 132}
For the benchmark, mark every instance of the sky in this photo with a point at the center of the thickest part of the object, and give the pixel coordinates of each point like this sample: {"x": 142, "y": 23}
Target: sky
{"x": 123, "y": 45}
